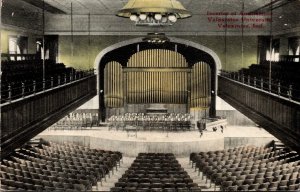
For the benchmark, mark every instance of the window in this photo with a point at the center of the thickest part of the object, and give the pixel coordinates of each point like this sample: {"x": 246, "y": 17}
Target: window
{"x": 294, "y": 47}
{"x": 17, "y": 45}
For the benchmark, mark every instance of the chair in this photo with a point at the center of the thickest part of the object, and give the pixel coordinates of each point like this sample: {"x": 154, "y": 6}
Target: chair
{"x": 243, "y": 188}
{"x": 294, "y": 187}
{"x": 79, "y": 187}
{"x": 254, "y": 186}
{"x": 226, "y": 184}
{"x": 116, "y": 189}
{"x": 232, "y": 188}
{"x": 264, "y": 186}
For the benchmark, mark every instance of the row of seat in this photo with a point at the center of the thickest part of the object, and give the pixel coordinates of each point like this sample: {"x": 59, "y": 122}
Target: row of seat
{"x": 155, "y": 172}
{"x": 250, "y": 168}
{"x": 57, "y": 167}
{"x": 167, "y": 122}
{"x": 76, "y": 121}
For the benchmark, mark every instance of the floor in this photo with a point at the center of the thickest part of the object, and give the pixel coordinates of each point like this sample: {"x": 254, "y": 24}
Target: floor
{"x": 158, "y": 136}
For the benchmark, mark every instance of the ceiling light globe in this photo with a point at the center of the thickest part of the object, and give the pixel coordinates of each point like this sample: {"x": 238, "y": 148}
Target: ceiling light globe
{"x": 134, "y": 17}
{"x": 172, "y": 18}
{"x": 158, "y": 17}
{"x": 143, "y": 16}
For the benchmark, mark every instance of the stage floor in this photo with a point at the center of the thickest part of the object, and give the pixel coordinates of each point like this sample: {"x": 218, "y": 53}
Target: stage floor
{"x": 179, "y": 143}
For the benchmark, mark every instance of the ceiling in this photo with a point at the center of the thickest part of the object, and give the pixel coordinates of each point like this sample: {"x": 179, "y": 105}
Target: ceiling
{"x": 110, "y": 7}
{"x": 285, "y": 13}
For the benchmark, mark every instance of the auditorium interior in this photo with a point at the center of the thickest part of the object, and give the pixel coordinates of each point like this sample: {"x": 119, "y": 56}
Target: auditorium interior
{"x": 150, "y": 95}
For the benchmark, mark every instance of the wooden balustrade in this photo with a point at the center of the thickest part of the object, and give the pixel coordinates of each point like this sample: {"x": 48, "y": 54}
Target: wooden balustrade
{"x": 278, "y": 115}
{"x": 24, "y": 118}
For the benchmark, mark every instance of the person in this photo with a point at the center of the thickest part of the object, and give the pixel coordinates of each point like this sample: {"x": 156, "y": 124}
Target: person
{"x": 214, "y": 129}
{"x": 222, "y": 128}
{"x": 199, "y": 126}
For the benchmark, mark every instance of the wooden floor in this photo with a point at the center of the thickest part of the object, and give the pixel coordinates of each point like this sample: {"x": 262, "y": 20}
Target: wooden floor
{"x": 179, "y": 143}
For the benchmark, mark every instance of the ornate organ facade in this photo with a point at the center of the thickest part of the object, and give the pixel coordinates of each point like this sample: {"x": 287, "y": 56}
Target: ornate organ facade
{"x": 157, "y": 76}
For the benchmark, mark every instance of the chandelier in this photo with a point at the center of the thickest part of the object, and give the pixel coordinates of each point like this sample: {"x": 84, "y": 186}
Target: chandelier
{"x": 153, "y": 12}
{"x": 156, "y": 38}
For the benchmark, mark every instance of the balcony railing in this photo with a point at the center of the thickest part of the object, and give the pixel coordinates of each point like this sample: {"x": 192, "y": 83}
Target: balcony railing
{"x": 274, "y": 86}
{"x": 17, "y": 90}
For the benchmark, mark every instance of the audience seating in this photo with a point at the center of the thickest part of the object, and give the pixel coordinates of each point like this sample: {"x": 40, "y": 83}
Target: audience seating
{"x": 155, "y": 172}
{"x": 250, "y": 168}
{"x": 55, "y": 167}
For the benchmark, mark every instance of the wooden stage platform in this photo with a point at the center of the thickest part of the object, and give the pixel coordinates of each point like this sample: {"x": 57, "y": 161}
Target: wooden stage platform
{"x": 179, "y": 143}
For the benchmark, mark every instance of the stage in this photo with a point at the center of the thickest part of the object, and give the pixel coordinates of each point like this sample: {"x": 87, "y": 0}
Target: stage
{"x": 179, "y": 143}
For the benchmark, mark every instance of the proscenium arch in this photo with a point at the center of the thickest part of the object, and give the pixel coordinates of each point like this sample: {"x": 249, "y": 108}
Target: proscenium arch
{"x": 217, "y": 62}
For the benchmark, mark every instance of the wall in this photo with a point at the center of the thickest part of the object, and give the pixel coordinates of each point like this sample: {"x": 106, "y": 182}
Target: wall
{"x": 85, "y": 54}
{"x": 19, "y": 18}
{"x": 31, "y": 39}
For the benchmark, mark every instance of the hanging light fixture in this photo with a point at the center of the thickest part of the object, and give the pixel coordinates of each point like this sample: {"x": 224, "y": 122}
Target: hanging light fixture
{"x": 156, "y": 38}
{"x": 154, "y": 12}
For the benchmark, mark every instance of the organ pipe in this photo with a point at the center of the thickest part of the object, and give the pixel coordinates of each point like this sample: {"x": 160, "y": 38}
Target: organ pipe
{"x": 200, "y": 89}
{"x": 146, "y": 82}
{"x": 113, "y": 88}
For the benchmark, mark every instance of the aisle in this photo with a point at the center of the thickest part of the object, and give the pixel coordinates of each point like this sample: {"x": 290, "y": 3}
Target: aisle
{"x": 194, "y": 175}
{"x": 110, "y": 181}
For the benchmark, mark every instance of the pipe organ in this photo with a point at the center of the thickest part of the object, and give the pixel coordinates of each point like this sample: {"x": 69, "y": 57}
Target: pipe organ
{"x": 113, "y": 85}
{"x": 157, "y": 76}
{"x": 200, "y": 85}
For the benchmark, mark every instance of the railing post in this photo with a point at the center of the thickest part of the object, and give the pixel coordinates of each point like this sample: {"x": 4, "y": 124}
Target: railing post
{"x": 243, "y": 78}
{"x": 254, "y": 81}
{"x": 290, "y": 92}
{"x": 34, "y": 86}
{"x": 23, "y": 90}
{"x": 238, "y": 77}
{"x": 51, "y": 82}
{"x": 65, "y": 79}
{"x": 279, "y": 91}
{"x": 71, "y": 76}
{"x": 58, "y": 80}
{"x": 270, "y": 86}
{"x": 248, "y": 79}
{"x": 262, "y": 83}
{"x": 9, "y": 93}
{"x": 75, "y": 76}
{"x": 44, "y": 85}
